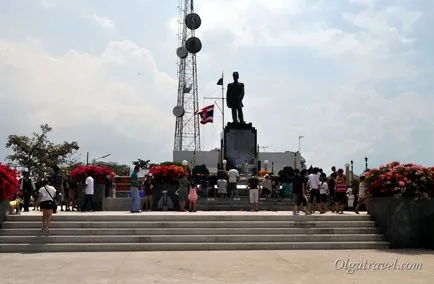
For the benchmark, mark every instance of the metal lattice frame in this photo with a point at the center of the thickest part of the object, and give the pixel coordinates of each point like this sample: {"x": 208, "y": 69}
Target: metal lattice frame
{"x": 187, "y": 134}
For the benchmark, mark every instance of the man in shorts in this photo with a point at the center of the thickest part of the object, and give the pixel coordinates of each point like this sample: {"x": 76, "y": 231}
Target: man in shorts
{"x": 314, "y": 184}
{"x": 299, "y": 191}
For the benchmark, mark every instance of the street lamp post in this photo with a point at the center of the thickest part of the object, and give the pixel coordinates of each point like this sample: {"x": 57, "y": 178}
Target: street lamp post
{"x": 94, "y": 160}
{"x": 102, "y": 157}
{"x": 266, "y": 165}
{"x": 184, "y": 164}
{"x": 347, "y": 169}
{"x": 366, "y": 163}
{"x": 224, "y": 165}
{"x": 299, "y": 143}
{"x": 352, "y": 170}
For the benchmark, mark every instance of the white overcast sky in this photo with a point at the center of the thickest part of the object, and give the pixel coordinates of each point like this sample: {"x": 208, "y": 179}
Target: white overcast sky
{"x": 354, "y": 77}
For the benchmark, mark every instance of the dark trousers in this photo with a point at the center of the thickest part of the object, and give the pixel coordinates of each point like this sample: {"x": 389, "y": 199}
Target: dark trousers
{"x": 27, "y": 196}
{"x": 240, "y": 114}
{"x": 88, "y": 198}
{"x": 265, "y": 192}
{"x": 232, "y": 189}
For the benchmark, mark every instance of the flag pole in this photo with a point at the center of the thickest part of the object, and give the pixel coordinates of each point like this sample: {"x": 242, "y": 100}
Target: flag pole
{"x": 223, "y": 102}
{"x": 223, "y": 123}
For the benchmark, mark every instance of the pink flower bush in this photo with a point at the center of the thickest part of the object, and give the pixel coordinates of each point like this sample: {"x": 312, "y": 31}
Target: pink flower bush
{"x": 167, "y": 173}
{"x": 401, "y": 179}
{"x": 8, "y": 182}
{"x": 98, "y": 173}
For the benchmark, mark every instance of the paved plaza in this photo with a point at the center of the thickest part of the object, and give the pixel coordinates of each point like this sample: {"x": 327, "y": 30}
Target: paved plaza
{"x": 213, "y": 267}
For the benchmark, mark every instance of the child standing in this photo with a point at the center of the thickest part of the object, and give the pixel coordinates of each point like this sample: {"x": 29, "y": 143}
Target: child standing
{"x": 148, "y": 186}
{"x": 362, "y": 194}
{"x": 192, "y": 197}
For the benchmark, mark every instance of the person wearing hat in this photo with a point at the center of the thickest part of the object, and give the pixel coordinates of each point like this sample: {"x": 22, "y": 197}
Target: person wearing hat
{"x": 148, "y": 185}
{"x": 266, "y": 186}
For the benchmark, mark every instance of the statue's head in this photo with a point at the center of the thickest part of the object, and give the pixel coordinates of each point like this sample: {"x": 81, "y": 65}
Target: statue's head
{"x": 236, "y": 76}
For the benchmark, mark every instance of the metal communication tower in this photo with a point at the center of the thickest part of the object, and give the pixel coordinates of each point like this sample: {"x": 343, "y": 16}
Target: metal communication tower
{"x": 187, "y": 134}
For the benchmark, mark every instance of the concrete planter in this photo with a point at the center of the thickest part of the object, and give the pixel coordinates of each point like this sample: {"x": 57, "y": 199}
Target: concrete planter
{"x": 405, "y": 222}
{"x": 157, "y": 193}
{"x": 4, "y": 204}
{"x": 98, "y": 196}
{"x": 80, "y": 196}
{"x": 124, "y": 203}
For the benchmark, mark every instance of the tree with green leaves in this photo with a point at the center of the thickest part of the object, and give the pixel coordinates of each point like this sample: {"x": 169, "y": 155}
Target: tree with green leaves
{"x": 37, "y": 154}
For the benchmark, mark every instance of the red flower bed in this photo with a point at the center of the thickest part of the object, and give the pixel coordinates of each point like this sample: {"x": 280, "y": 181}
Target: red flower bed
{"x": 79, "y": 174}
{"x": 167, "y": 173}
{"x": 408, "y": 180}
{"x": 8, "y": 182}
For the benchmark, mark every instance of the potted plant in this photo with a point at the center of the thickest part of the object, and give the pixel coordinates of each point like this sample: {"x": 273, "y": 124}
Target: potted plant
{"x": 99, "y": 174}
{"x": 401, "y": 203}
{"x": 8, "y": 188}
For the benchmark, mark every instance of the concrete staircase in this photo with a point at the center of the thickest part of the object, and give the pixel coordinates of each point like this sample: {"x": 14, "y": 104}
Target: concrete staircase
{"x": 108, "y": 231}
{"x": 243, "y": 204}
{"x": 211, "y": 204}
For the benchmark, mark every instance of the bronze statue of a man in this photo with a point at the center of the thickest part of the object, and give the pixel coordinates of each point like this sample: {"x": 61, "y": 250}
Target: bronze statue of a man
{"x": 234, "y": 98}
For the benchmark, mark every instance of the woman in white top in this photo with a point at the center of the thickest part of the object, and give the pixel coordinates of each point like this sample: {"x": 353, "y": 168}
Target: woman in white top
{"x": 324, "y": 192}
{"x": 47, "y": 195}
{"x": 362, "y": 194}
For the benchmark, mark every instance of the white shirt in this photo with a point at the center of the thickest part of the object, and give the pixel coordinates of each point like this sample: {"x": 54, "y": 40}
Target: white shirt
{"x": 44, "y": 194}
{"x": 222, "y": 186}
{"x": 324, "y": 188}
{"x": 362, "y": 189}
{"x": 233, "y": 175}
{"x": 89, "y": 185}
{"x": 313, "y": 181}
{"x": 266, "y": 183}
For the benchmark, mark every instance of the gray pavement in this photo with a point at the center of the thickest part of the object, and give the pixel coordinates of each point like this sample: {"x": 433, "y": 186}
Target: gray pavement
{"x": 251, "y": 267}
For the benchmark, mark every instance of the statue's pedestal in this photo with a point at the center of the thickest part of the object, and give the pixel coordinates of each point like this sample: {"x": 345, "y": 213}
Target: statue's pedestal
{"x": 240, "y": 150}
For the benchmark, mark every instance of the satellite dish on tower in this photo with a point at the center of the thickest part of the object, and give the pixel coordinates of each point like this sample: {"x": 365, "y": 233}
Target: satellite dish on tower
{"x": 182, "y": 52}
{"x": 178, "y": 111}
{"x": 193, "y": 21}
{"x": 193, "y": 45}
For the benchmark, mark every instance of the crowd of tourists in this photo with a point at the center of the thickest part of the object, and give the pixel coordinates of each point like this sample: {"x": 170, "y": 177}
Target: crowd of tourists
{"x": 311, "y": 190}
{"x": 53, "y": 191}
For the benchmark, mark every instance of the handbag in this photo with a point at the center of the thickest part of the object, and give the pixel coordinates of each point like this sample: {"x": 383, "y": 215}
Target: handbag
{"x": 53, "y": 201}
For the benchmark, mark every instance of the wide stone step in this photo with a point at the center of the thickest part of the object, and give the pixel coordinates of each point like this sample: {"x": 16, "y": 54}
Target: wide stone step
{"x": 195, "y": 224}
{"x": 190, "y": 238}
{"x": 153, "y": 216}
{"x": 103, "y": 247}
{"x": 217, "y": 207}
{"x": 123, "y": 204}
{"x": 187, "y": 231}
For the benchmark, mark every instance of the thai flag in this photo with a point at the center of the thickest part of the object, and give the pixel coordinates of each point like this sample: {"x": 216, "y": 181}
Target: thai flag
{"x": 207, "y": 114}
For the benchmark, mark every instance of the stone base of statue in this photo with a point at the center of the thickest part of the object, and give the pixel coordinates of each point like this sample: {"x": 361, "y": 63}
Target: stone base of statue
{"x": 239, "y": 144}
